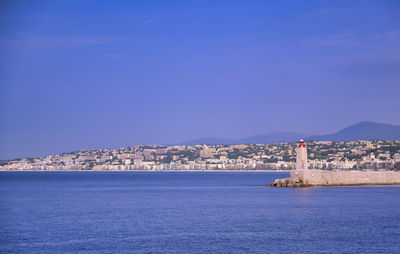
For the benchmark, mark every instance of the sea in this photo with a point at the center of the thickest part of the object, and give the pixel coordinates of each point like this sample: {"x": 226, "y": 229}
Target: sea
{"x": 191, "y": 212}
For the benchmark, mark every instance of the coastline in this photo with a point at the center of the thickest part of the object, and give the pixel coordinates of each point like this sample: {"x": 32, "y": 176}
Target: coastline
{"x": 175, "y": 171}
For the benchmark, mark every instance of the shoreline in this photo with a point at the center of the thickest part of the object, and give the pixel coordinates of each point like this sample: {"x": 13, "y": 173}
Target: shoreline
{"x": 214, "y": 171}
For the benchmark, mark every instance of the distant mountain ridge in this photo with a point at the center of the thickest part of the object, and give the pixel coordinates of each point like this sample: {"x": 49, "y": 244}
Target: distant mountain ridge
{"x": 275, "y": 137}
{"x": 365, "y": 130}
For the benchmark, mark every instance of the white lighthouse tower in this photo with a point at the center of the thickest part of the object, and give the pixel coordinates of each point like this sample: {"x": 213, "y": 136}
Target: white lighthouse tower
{"x": 301, "y": 159}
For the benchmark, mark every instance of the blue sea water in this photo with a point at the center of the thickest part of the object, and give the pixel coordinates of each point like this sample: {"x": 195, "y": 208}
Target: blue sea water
{"x": 191, "y": 212}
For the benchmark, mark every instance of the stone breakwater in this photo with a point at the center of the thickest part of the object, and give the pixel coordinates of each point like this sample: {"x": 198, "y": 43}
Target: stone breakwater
{"x": 307, "y": 178}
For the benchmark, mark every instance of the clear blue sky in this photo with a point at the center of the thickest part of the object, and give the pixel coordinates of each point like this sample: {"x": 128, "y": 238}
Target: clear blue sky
{"x": 101, "y": 74}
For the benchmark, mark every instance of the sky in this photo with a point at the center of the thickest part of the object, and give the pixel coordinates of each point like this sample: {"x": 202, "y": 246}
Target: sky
{"x": 105, "y": 74}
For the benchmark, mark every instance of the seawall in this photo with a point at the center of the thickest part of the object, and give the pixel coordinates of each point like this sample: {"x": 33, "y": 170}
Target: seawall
{"x": 305, "y": 178}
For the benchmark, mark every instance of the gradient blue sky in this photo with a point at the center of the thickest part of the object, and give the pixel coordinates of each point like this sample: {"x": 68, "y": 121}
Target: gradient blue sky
{"x": 101, "y": 74}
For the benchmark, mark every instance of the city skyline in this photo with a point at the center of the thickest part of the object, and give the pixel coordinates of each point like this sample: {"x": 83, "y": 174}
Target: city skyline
{"x": 352, "y": 155}
{"x": 84, "y": 75}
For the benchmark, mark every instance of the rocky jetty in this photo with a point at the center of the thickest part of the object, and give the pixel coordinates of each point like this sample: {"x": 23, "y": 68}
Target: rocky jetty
{"x": 286, "y": 182}
{"x": 308, "y": 178}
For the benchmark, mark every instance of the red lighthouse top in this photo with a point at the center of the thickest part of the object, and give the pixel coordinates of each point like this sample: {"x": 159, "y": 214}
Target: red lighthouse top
{"x": 301, "y": 143}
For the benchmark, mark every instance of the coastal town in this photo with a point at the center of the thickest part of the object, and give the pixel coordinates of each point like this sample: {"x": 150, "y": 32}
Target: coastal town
{"x": 325, "y": 155}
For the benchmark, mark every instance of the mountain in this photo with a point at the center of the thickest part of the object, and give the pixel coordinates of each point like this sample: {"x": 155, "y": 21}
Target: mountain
{"x": 365, "y": 130}
{"x": 271, "y": 138}
{"x": 208, "y": 141}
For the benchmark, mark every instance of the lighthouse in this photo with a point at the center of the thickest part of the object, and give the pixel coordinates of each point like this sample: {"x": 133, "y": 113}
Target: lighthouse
{"x": 301, "y": 159}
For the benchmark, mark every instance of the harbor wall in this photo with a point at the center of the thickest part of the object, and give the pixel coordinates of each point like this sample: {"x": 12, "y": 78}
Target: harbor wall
{"x": 304, "y": 178}
{"x": 318, "y": 177}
